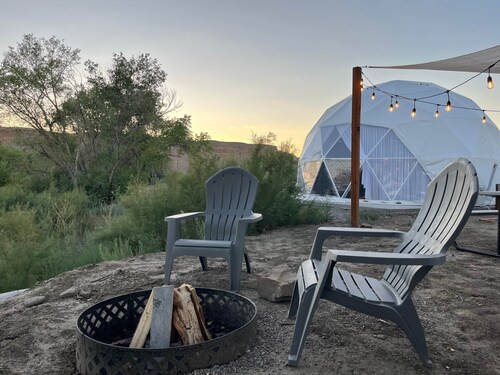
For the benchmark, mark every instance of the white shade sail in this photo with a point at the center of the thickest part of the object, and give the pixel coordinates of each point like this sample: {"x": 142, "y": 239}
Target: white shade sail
{"x": 476, "y": 62}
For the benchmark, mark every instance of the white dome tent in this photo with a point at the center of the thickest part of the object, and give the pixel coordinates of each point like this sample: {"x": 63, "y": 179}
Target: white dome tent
{"x": 399, "y": 154}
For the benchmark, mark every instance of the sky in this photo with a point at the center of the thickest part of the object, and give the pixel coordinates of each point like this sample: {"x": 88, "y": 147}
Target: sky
{"x": 243, "y": 67}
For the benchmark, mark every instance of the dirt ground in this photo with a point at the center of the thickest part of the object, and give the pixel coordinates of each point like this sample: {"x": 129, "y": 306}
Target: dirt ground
{"x": 458, "y": 303}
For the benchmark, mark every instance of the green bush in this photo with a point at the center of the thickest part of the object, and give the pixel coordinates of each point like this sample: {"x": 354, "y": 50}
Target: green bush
{"x": 51, "y": 229}
{"x": 24, "y": 248}
{"x": 141, "y": 226}
{"x": 277, "y": 199}
{"x": 69, "y": 213}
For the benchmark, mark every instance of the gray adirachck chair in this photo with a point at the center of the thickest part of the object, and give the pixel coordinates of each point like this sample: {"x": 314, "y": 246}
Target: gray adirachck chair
{"x": 230, "y": 197}
{"x": 448, "y": 202}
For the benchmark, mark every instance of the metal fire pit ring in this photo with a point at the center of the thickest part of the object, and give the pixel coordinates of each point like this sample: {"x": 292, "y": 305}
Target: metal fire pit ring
{"x": 230, "y": 318}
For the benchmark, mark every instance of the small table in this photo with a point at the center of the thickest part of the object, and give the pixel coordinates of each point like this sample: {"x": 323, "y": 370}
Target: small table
{"x": 489, "y": 253}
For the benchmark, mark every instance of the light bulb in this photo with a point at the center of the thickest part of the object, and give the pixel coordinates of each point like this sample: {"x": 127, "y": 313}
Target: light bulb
{"x": 391, "y": 108}
{"x": 373, "y": 96}
{"x": 436, "y": 115}
{"x": 448, "y": 106}
{"x": 484, "y": 119}
{"x": 490, "y": 82}
{"x": 414, "y": 110}
{"x": 396, "y": 104}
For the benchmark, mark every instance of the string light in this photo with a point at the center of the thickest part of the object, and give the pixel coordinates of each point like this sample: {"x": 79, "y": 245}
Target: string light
{"x": 490, "y": 80}
{"x": 448, "y": 103}
{"x": 448, "y": 106}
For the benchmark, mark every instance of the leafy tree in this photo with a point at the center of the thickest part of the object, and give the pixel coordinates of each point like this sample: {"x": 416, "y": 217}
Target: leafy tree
{"x": 101, "y": 132}
{"x": 36, "y": 78}
{"x": 120, "y": 125}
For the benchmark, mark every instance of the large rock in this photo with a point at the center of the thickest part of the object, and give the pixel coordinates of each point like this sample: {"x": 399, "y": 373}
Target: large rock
{"x": 277, "y": 286}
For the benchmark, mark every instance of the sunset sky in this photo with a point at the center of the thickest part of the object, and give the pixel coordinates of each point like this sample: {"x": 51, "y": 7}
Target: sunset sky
{"x": 272, "y": 65}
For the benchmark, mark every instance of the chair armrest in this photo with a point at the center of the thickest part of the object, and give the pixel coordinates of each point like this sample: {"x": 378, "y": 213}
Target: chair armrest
{"x": 174, "y": 222}
{"x": 183, "y": 216}
{"x": 326, "y": 232}
{"x": 241, "y": 229}
{"x": 370, "y": 257}
{"x": 253, "y": 218}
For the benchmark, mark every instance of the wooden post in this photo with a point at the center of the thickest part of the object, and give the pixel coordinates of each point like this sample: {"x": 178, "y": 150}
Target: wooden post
{"x": 355, "y": 145}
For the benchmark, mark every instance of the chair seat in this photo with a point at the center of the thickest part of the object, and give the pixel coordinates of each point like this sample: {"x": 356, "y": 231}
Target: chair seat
{"x": 351, "y": 284}
{"x": 362, "y": 287}
{"x": 203, "y": 244}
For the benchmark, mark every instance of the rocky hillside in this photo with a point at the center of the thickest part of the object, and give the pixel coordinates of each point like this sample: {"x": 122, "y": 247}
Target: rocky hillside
{"x": 18, "y": 137}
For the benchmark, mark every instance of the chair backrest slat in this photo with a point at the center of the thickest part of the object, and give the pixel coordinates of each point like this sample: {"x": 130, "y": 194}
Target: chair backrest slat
{"x": 231, "y": 195}
{"x": 448, "y": 202}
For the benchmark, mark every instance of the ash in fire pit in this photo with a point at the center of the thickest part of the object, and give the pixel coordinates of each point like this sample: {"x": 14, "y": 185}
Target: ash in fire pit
{"x": 230, "y": 318}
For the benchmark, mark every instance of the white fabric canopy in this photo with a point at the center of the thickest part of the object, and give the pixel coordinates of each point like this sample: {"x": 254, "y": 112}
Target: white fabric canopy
{"x": 476, "y": 62}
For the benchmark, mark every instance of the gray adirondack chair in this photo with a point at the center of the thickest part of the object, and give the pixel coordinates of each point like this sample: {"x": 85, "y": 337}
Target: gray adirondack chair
{"x": 230, "y": 197}
{"x": 448, "y": 202}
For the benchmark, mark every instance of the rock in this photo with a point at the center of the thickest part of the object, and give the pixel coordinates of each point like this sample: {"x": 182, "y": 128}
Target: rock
{"x": 33, "y": 301}
{"x": 277, "y": 286}
{"x": 85, "y": 293}
{"x": 71, "y": 292}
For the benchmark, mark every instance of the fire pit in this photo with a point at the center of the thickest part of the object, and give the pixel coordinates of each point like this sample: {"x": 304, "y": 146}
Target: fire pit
{"x": 230, "y": 318}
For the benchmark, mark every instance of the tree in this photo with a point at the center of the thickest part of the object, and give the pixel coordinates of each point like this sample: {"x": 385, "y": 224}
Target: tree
{"x": 36, "y": 78}
{"x": 120, "y": 124}
{"x": 102, "y": 132}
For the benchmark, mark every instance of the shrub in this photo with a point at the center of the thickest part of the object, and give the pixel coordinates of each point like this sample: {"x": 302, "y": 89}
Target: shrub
{"x": 141, "y": 226}
{"x": 69, "y": 213}
{"x": 24, "y": 248}
{"x": 277, "y": 199}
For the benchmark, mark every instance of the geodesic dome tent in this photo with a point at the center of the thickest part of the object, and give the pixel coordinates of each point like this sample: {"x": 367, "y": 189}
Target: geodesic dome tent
{"x": 399, "y": 154}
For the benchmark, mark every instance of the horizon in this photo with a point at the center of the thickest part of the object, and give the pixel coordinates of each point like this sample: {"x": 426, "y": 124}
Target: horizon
{"x": 265, "y": 67}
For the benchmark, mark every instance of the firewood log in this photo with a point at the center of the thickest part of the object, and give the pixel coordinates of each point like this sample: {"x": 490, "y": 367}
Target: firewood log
{"x": 187, "y": 317}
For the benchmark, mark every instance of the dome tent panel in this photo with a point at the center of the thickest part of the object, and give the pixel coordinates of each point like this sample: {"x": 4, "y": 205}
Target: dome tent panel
{"x": 329, "y": 136}
{"x": 309, "y": 172}
{"x": 390, "y": 146}
{"x": 339, "y": 150}
{"x": 414, "y": 186}
{"x": 323, "y": 184}
{"x": 313, "y": 151}
{"x": 370, "y": 136}
{"x": 340, "y": 173}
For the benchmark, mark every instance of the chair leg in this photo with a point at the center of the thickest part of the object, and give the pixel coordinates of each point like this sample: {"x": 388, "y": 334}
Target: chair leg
{"x": 169, "y": 262}
{"x": 294, "y": 303}
{"x": 308, "y": 304}
{"x": 235, "y": 260}
{"x": 306, "y": 310}
{"x": 203, "y": 261}
{"x": 247, "y": 262}
{"x": 408, "y": 320}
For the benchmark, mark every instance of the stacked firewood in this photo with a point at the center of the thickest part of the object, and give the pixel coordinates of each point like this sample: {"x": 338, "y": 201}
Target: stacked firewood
{"x": 185, "y": 315}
